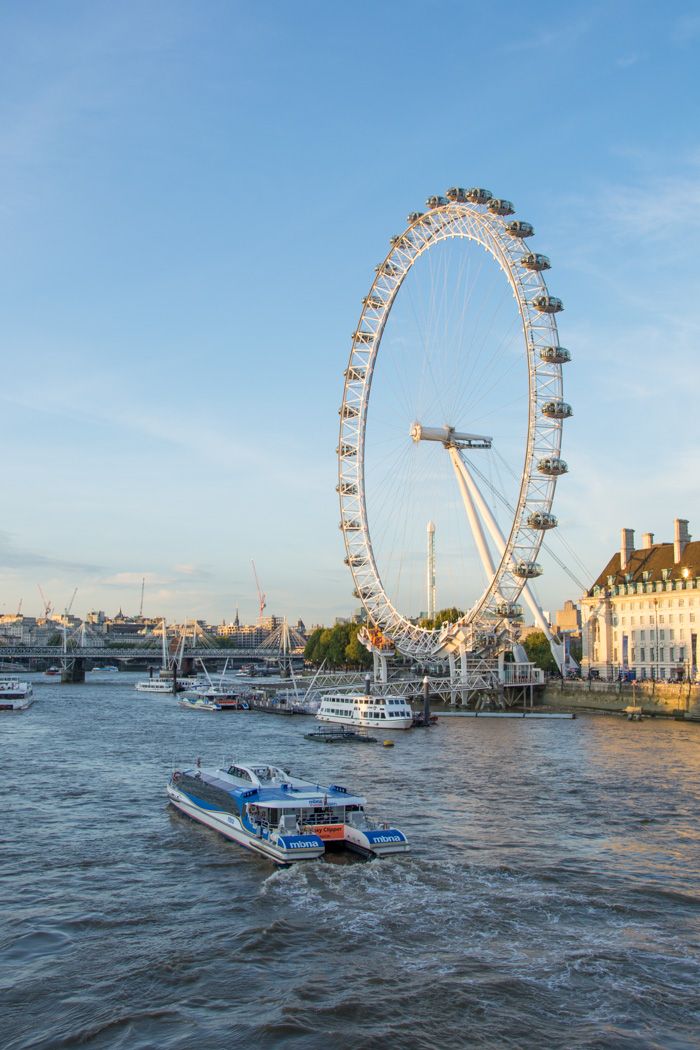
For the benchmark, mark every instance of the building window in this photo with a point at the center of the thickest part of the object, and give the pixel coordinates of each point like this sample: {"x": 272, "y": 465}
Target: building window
{"x": 671, "y": 634}
{"x": 651, "y": 655}
{"x": 681, "y": 652}
{"x": 661, "y": 655}
{"x": 662, "y": 634}
{"x": 641, "y": 655}
{"x": 641, "y": 636}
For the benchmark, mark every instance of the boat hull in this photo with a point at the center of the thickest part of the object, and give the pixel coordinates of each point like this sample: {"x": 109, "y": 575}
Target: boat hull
{"x": 367, "y": 723}
{"x": 20, "y": 703}
{"x": 231, "y": 828}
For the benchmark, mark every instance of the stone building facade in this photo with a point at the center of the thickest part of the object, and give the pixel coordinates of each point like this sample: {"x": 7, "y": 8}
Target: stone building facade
{"x": 640, "y": 618}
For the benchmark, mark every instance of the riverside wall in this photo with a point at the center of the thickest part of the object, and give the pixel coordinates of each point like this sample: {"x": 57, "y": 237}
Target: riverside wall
{"x": 663, "y": 699}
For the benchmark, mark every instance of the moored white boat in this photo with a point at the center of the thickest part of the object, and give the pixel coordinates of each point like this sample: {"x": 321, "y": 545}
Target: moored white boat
{"x": 377, "y": 712}
{"x": 159, "y": 685}
{"x": 279, "y": 816}
{"x": 15, "y": 695}
{"x": 198, "y": 703}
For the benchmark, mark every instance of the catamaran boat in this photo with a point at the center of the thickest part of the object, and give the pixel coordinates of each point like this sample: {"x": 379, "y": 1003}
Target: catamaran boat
{"x": 377, "y": 712}
{"x": 279, "y": 816}
{"x": 14, "y": 694}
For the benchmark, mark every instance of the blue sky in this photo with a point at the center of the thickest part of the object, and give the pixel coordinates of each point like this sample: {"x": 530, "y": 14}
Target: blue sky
{"x": 192, "y": 200}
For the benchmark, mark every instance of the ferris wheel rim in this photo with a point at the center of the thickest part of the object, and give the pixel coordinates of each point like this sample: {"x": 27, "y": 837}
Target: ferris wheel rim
{"x": 474, "y": 222}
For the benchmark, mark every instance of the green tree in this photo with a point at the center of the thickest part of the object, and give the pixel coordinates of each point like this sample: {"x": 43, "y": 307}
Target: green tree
{"x": 443, "y": 616}
{"x": 355, "y": 653}
{"x": 311, "y": 650}
{"x": 537, "y": 648}
{"x": 337, "y": 644}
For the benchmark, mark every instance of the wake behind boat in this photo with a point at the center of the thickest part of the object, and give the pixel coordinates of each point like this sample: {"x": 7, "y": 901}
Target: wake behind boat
{"x": 284, "y": 818}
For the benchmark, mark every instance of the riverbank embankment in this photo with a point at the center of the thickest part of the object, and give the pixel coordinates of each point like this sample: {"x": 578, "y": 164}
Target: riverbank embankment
{"x": 661, "y": 699}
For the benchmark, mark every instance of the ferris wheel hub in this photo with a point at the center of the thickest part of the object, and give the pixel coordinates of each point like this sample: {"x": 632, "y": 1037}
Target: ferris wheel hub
{"x": 449, "y": 437}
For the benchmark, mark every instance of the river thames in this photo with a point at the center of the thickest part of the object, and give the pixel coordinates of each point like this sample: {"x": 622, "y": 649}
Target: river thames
{"x": 552, "y": 895}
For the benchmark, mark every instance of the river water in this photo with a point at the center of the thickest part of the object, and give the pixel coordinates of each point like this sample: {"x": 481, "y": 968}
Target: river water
{"x": 551, "y": 898}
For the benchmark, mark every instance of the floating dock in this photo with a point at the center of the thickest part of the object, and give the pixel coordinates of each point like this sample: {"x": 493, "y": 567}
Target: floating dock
{"x": 506, "y": 714}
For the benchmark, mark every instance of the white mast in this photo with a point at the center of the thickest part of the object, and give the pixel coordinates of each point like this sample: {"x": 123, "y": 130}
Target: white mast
{"x": 431, "y": 569}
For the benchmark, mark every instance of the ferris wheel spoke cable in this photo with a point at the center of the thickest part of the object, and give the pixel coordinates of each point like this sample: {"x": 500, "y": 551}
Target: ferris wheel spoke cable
{"x": 562, "y": 565}
{"x": 560, "y": 537}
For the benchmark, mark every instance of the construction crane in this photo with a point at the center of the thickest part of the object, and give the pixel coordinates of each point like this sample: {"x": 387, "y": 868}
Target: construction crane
{"x": 19, "y": 608}
{"x": 261, "y": 597}
{"x": 48, "y": 606}
{"x": 70, "y": 603}
{"x": 143, "y": 584}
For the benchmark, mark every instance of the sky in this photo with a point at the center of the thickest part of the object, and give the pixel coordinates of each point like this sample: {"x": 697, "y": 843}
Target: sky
{"x": 193, "y": 198}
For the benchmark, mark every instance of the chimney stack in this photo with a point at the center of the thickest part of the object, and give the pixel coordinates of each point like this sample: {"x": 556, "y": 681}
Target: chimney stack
{"x": 681, "y": 539}
{"x": 647, "y": 540}
{"x": 626, "y": 548}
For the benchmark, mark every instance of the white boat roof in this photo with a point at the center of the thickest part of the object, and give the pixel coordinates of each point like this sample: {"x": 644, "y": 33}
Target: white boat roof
{"x": 273, "y": 788}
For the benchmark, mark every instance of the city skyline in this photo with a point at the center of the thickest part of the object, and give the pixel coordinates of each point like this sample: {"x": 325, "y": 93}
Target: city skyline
{"x": 186, "y": 250}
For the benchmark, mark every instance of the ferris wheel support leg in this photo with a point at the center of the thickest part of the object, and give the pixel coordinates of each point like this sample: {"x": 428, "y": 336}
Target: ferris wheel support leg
{"x": 463, "y": 479}
{"x": 465, "y": 476}
{"x": 381, "y": 668}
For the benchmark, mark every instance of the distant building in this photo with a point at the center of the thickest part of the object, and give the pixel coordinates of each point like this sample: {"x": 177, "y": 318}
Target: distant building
{"x": 568, "y": 619}
{"x": 639, "y": 617}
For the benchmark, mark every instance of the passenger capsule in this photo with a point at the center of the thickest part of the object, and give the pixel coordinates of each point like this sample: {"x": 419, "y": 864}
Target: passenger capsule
{"x": 355, "y": 374}
{"x": 436, "y": 202}
{"x": 349, "y": 411}
{"x": 527, "y": 570}
{"x": 509, "y": 611}
{"x": 456, "y": 194}
{"x": 498, "y": 206}
{"x": 355, "y": 560}
{"x": 397, "y": 242}
{"x": 516, "y": 228}
{"x": 547, "y": 304}
{"x": 477, "y": 195}
{"x": 364, "y": 338}
{"x": 346, "y": 488}
{"x": 350, "y": 525}
{"x": 533, "y": 261}
{"x": 542, "y": 519}
{"x": 557, "y": 410}
{"x": 555, "y": 355}
{"x": 373, "y": 302}
{"x": 346, "y": 450}
{"x": 415, "y": 216}
{"x": 552, "y": 466}
{"x": 388, "y": 269}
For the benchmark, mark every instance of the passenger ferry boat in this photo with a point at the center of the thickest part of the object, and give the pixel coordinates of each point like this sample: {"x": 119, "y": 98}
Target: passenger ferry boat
{"x": 14, "y": 694}
{"x": 160, "y": 685}
{"x": 279, "y": 816}
{"x": 378, "y": 712}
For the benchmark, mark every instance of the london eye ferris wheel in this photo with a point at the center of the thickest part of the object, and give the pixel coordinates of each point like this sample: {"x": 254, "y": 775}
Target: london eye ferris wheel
{"x": 452, "y": 411}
